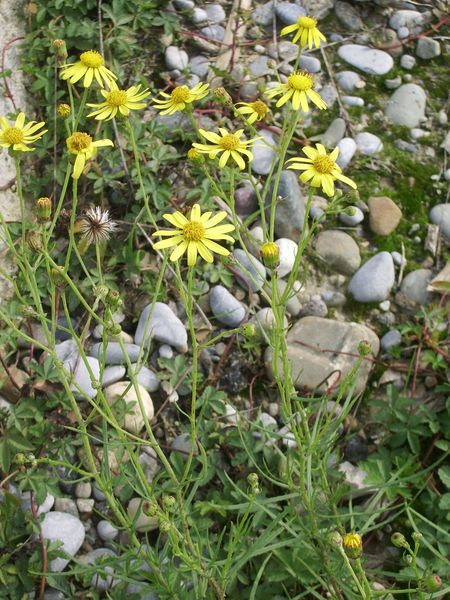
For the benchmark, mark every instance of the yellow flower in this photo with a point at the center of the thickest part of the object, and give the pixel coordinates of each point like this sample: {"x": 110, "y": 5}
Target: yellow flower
{"x": 90, "y": 65}
{"x": 117, "y": 100}
{"x": 195, "y": 235}
{"x": 81, "y": 144}
{"x": 180, "y": 97}
{"x": 19, "y": 136}
{"x": 352, "y": 543}
{"x": 298, "y": 89}
{"x": 256, "y": 110}
{"x": 320, "y": 168}
{"x": 307, "y": 33}
{"x": 228, "y": 143}
{"x": 270, "y": 254}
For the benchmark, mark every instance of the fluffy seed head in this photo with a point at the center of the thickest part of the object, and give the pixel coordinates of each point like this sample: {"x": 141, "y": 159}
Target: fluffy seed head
{"x": 96, "y": 225}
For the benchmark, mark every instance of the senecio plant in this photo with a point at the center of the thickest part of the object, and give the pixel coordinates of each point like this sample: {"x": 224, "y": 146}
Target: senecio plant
{"x": 185, "y": 560}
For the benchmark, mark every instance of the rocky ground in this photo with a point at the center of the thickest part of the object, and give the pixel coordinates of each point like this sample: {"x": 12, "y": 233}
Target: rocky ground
{"x": 371, "y": 266}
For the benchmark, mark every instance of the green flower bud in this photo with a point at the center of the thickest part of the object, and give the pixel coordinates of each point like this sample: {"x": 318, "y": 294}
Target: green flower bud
{"x": 101, "y": 291}
{"x": 364, "y": 348}
{"x": 168, "y": 502}
{"x": 399, "y": 540}
{"x": 43, "y": 209}
{"x": 34, "y": 241}
{"x": 335, "y": 539}
{"x": 150, "y": 508}
{"x": 270, "y": 254}
{"x": 60, "y": 50}
{"x": 249, "y": 330}
{"x": 115, "y": 329}
{"x": 430, "y": 583}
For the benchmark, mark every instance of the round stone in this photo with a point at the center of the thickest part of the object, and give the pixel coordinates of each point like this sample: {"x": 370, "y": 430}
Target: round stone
{"x": 338, "y": 250}
{"x": 374, "y": 280}
{"x": 133, "y": 421}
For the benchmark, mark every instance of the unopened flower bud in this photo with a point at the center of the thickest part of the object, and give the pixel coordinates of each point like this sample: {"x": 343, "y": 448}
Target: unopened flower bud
{"x": 223, "y": 96}
{"x": 96, "y": 384}
{"x": 44, "y": 209}
{"x": 194, "y": 155}
{"x": 113, "y": 298}
{"x": 364, "y": 348}
{"x": 352, "y": 543}
{"x": 270, "y": 254}
{"x": 253, "y": 479}
{"x": 115, "y": 329}
{"x": 335, "y": 539}
{"x": 249, "y": 330}
{"x": 417, "y": 536}
{"x": 168, "y": 502}
{"x": 60, "y": 50}
{"x": 399, "y": 540}
{"x": 57, "y": 275}
{"x": 101, "y": 291}
{"x": 164, "y": 525}
{"x": 20, "y": 459}
{"x": 34, "y": 241}
{"x": 64, "y": 110}
{"x": 150, "y": 508}
{"x": 430, "y": 583}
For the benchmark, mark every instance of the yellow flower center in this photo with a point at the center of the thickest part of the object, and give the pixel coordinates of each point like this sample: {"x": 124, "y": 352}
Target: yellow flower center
{"x": 116, "y": 98}
{"x": 193, "y": 231}
{"x": 180, "y": 94}
{"x": 13, "y": 135}
{"x": 307, "y": 22}
{"x": 323, "y": 164}
{"x": 92, "y": 59}
{"x": 229, "y": 142}
{"x": 260, "y": 108}
{"x": 78, "y": 142}
{"x": 300, "y": 81}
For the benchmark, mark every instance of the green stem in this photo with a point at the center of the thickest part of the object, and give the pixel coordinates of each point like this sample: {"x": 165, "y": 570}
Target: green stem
{"x": 72, "y": 224}
{"x": 21, "y": 203}
{"x": 80, "y": 109}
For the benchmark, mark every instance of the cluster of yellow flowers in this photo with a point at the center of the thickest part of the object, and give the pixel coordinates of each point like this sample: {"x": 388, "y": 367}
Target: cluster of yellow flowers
{"x": 195, "y": 235}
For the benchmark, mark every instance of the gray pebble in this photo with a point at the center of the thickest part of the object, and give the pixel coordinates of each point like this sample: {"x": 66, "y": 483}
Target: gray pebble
{"x": 353, "y": 101}
{"x": 176, "y": 58}
{"x": 288, "y": 12}
{"x": 356, "y": 216}
{"x": 428, "y": 48}
{"x": 374, "y": 280}
{"x": 62, "y": 527}
{"x": 368, "y": 143}
{"x": 215, "y": 32}
{"x": 347, "y": 148}
{"x": 408, "y": 62}
{"x": 414, "y": 286}
{"x": 253, "y": 267}
{"x": 225, "y": 307}
{"x": 106, "y": 531}
{"x": 113, "y": 374}
{"x": 390, "y": 339}
{"x": 114, "y": 354}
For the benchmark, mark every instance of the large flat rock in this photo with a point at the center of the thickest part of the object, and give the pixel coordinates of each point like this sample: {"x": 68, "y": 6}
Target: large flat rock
{"x": 319, "y": 348}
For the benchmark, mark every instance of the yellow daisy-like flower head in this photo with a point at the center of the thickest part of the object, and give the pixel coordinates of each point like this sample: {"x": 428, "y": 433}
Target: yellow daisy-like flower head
{"x": 229, "y": 144}
{"x": 91, "y": 65}
{"x": 19, "y": 136}
{"x": 306, "y": 33}
{"x": 298, "y": 89}
{"x": 195, "y": 235}
{"x": 116, "y": 100}
{"x": 352, "y": 543}
{"x": 320, "y": 168}
{"x": 180, "y": 98}
{"x": 82, "y": 145}
{"x": 256, "y": 111}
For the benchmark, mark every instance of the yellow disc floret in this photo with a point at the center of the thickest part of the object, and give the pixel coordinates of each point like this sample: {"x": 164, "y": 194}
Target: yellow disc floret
{"x": 301, "y": 81}
{"x": 116, "y": 98}
{"x": 193, "y": 231}
{"x": 324, "y": 164}
{"x": 78, "y": 142}
{"x": 180, "y": 94}
{"x": 92, "y": 59}
{"x": 307, "y": 22}
{"x": 260, "y": 108}
{"x": 229, "y": 142}
{"x": 13, "y": 135}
